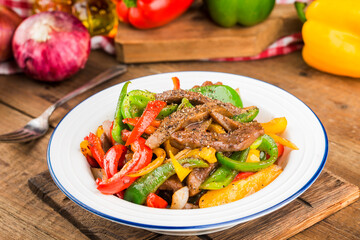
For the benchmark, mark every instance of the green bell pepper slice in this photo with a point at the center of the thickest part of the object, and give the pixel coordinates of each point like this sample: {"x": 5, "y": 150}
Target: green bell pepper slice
{"x": 149, "y": 183}
{"x": 267, "y": 145}
{"x": 118, "y": 125}
{"x": 228, "y": 13}
{"x": 135, "y": 102}
{"x": 220, "y": 92}
{"x": 223, "y": 176}
{"x": 185, "y": 103}
{"x": 247, "y": 116}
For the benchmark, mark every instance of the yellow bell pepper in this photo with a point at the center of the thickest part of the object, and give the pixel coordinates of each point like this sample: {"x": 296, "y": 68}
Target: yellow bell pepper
{"x": 99, "y": 131}
{"x": 85, "y": 149}
{"x": 181, "y": 172}
{"x": 276, "y": 125}
{"x": 283, "y": 141}
{"x": 253, "y": 156}
{"x": 240, "y": 189}
{"x": 214, "y": 127}
{"x": 160, "y": 154}
{"x": 206, "y": 153}
{"x": 332, "y": 37}
{"x": 169, "y": 148}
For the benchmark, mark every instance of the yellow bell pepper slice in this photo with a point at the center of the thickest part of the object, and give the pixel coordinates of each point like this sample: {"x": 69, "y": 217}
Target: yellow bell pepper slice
{"x": 276, "y": 125}
{"x": 240, "y": 189}
{"x": 214, "y": 127}
{"x": 84, "y": 147}
{"x": 160, "y": 153}
{"x": 253, "y": 156}
{"x": 283, "y": 141}
{"x": 169, "y": 148}
{"x": 99, "y": 131}
{"x": 206, "y": 153}
{"x": 180, "y": 170}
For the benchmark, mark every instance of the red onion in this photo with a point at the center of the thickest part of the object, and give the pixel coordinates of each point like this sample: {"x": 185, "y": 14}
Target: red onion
{"x": 9, "y": 20}
{"x": 51, "y": 46}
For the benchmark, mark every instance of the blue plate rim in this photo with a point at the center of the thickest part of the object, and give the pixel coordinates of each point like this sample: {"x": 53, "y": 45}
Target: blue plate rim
{"x": 197, "y": 227}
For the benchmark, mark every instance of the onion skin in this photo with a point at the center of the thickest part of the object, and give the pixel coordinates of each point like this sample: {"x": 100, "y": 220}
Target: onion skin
{"x": 51, "y": 46}
{"x": 9, "y": 20}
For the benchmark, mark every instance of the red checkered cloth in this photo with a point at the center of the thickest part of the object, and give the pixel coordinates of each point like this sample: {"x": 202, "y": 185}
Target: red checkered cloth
{"x": 282, "y": 46}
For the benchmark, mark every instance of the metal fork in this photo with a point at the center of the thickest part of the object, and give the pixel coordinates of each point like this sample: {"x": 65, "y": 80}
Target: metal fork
{"x": 40, "y": 125}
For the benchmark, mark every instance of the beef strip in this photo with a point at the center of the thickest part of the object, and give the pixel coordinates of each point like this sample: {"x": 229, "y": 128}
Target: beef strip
{"x": 225, "y": 122}
{"x": 172, "y": 184}
{"x": 177, "y": 121}
{"x": 199, "y": 126}
{"x": 195, "y": 98}
{"x": 197, "y": 177}
{"x": 237, "y": 140}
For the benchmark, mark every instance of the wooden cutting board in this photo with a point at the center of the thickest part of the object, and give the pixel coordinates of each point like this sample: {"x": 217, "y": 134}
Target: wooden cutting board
{"x": 327, "y": 195}
{"x": 194, "y": 36}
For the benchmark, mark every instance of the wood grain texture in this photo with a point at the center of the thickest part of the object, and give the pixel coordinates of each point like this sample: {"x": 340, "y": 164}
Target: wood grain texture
{"x": 193, "y": 36}
{"x": 335, "y": 100}
{"x": 326, "y": 196}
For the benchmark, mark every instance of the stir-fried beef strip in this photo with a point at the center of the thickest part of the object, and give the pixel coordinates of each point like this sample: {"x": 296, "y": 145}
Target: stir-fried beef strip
{"x": 237, "y": 140}
{"x": 225, "y": 122}
{"x": 177, "y": 121}
{"x": 197, "y": 177}
{"x": 171, "y": 184}
{"x": 199, "y": 126}
{"x": 195, "y": 98}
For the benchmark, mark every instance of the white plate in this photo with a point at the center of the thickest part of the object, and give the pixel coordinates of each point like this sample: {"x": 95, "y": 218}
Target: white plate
{"x": 71, "y": 173}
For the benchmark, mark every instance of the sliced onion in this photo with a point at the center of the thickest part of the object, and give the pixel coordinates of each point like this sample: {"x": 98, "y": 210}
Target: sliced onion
{"x": 180, "y": 198}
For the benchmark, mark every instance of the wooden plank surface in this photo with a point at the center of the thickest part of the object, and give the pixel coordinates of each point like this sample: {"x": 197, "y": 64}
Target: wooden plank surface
{"x": 194, "y": 36}
{"x": 336, "y": 100}
{"x": 326, "y": 196}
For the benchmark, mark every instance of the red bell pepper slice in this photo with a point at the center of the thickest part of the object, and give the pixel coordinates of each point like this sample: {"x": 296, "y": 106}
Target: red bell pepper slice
{"x": 280, "y": 149}
{"x": 242, "y": 175}
{"x": 92, "y": 162}
{"x": 120, "y": 181}
{"x": 112, "y": 158}
{"x": 145, "y": 14}
{"x": 133, "y": 121}
{"x": 176, "y": 82}
{"x": 155, "y": 201}
{"x": 151, "y": 111}
{"x": 96, "y": 148}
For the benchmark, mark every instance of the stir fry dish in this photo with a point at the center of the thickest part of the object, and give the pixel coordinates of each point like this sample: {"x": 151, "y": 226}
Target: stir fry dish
{"x": 185, "y": 149}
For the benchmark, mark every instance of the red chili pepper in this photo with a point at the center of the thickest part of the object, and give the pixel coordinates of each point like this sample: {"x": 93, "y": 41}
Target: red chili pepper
{"x": 118, "y": 182}
{"x": 144, "y": 14}
{"x": 151, "y": 111}
{"x": 242, "y": 175}
{"x": 96, "y": 148}
{"x": 112, "y": 158}
{"x": 155, "y": 201}
{"x": 176, "y": 82}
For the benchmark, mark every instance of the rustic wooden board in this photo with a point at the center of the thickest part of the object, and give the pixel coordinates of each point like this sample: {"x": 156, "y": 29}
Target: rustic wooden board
{"x": 327, "y": 195}
{"x": 193, "y": 36}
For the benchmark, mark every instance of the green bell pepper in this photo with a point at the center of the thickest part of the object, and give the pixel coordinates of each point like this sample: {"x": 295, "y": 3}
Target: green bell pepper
{"x": 185, "y": 103}
{"x": 220, "y": 92}
{"x": 228, "y": 13}
{"x": 149, "y": 183}
{"x": 247, "y": 116}
{"x": 223, "y": 176}
{"x": 118, "y": 125}
{"x": 135, "y": 102}
{"x": 267, "y": 145}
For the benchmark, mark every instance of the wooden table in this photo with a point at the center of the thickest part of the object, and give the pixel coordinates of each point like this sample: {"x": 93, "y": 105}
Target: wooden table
{"x": 23, "y": 216}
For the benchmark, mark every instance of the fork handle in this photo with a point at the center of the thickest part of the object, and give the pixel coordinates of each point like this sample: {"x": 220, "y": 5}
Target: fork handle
{"x": 101, "y": 78}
